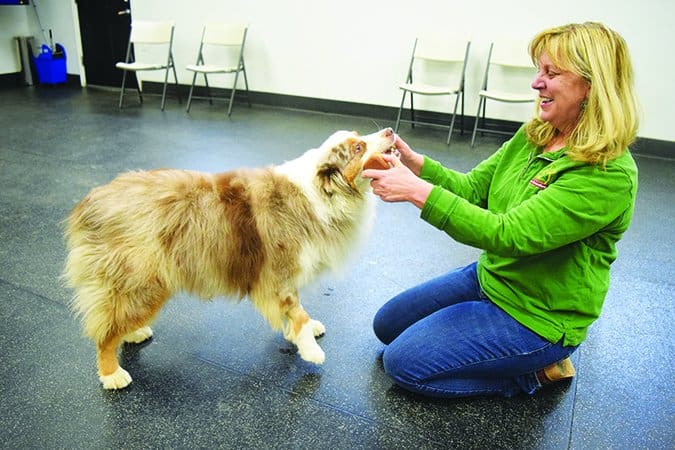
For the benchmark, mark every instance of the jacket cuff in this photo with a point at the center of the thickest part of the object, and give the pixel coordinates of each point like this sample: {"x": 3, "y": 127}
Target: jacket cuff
{"x": 438, "y": 207}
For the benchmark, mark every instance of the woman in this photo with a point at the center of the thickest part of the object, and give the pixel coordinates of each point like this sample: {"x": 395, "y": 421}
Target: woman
{"x": 547, "y": 209}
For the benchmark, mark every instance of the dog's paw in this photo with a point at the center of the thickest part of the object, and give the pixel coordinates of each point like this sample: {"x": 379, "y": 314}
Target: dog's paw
{"x": 307, "y": 347}
{"x": 138, "y": 336}
{"x": 119, "y": 379}
{"x": 312, "y": 353}
{"x": 317, "y": 328}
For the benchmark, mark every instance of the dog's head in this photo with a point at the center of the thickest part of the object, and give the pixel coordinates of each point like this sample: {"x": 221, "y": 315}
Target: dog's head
{"x": 345, "y": 154}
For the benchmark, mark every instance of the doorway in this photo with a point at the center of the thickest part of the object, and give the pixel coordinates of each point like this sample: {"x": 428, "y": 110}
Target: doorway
{"x": 104, "y": 31}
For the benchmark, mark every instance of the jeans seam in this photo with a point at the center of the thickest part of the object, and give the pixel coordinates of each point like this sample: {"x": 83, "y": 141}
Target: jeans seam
{"x": 423, "y": 387}
{"x": 546, "y": 346}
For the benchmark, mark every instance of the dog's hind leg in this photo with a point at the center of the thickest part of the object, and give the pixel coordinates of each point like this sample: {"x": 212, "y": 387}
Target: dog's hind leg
{"x": 140, "y": 335}
{"x": 126, "y": 324}
{"x": 152, "y": 297}
{"x": 110, "y": 373}
{"x": 302, "y": 330}
{"x": 94, "y": 302}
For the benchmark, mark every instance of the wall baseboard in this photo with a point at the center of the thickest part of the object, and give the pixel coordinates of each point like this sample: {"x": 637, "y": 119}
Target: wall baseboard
{"x": 642, "y": 146}
{"x": 12, "y": 80}
{"x": 653, "y": 147}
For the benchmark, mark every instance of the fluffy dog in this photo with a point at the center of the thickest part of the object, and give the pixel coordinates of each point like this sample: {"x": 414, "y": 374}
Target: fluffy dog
{"x": 256, "y": 233}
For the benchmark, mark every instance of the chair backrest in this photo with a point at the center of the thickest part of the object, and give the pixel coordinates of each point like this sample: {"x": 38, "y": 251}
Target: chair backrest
{"x": 509, "y": 68}
{"x": 439, "y": 60}
{"x": 511, "y": 54}
{"x": 144, "y": 39}
{"x": 224, "y": 34}
{"x": 441, "y": 48}
{"x": 223, "y": 45}
{"x": 149, "y": 32}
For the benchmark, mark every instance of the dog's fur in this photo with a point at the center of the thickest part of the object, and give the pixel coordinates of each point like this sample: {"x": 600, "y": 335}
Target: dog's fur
{"x": 256, "y": 233}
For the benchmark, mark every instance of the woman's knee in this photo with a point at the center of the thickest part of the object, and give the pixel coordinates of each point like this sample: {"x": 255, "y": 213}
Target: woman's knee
{"x": 395, "y": 363}
{"x": 382, "y": 327}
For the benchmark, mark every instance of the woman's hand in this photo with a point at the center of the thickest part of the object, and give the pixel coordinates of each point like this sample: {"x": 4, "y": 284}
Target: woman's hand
{"x": 399, "y": 183}
{"x": 411, "y": 159}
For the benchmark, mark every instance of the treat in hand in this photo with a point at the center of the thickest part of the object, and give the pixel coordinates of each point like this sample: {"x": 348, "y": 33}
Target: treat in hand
{"x": 376, "y": 162}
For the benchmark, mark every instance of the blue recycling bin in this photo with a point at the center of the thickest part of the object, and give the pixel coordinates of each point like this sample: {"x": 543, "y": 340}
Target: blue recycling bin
{"x": 51, "y": 66}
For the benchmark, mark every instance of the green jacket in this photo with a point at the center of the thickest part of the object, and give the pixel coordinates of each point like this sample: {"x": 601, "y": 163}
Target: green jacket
{"x": 548, "y": 226}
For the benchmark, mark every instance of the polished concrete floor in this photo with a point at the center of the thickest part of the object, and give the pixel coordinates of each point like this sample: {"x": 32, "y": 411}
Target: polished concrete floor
{"x": 215, "y": 376}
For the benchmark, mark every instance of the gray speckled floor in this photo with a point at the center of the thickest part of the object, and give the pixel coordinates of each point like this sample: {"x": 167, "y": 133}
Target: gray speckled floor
{"x": 215, "y": 376}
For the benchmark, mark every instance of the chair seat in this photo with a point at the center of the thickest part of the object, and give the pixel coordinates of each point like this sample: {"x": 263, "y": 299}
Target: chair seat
{"x": 139, "y": 66}
{"x": 210, "y": 68}
{"x": 509, "y": 97}
{"x": 428, "y": 89}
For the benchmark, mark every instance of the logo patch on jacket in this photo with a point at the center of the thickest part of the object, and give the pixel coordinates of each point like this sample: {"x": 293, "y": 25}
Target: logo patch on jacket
{"x": 543, "y": 178}
{"x": 538, "y": 183}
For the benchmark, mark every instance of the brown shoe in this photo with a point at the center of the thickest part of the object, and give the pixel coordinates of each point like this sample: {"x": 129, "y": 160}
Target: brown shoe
{"x": 562, "y": 370}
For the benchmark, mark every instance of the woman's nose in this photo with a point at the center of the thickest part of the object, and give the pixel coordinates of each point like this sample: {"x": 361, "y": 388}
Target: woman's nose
{"x": 537, "y": 83}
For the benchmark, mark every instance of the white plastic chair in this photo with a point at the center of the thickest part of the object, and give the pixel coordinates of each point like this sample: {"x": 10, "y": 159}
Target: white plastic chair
{"x": 508, "y": 67}
{"x": 223, "y": 43}
{"x": 144, "y": 35}
{"x": 437, "y": 68}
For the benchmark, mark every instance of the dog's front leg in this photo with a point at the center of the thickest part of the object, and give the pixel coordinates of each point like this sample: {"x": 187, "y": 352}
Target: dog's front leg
{"x": 301, "y": 330}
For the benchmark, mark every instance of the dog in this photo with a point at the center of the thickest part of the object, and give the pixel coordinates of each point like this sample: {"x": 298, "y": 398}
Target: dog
{"x": 257, "y": 233}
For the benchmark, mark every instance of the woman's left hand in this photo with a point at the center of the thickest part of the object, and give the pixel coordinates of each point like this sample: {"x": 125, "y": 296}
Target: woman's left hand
{"x": 398, "y": 183}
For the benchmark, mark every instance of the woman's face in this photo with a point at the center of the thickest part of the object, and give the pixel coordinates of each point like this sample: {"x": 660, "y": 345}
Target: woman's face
{"x": 561, "y": 94}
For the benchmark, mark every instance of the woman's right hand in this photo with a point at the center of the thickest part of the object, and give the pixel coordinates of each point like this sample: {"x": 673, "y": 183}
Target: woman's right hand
{"x": 410, "y": 158}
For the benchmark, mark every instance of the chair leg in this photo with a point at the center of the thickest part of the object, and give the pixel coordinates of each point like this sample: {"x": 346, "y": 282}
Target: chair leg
{"x": 192, "y": 87}
{"x": 208, "y": 88}
{"x": 452, "y": 122}
{"x": 482, "y": 122}
{"x": 138, "y": 88}
{"x": 400, "y": 110}
{"x": 462, "y": 118}
{"x": 475, "y": 123}
{"x": 234, "y": 89}
{"x": 166, "y": 81}
{"x": 175, "y": 79}
{"x": 124, "y": 79}
{"x": 248, "y": 98}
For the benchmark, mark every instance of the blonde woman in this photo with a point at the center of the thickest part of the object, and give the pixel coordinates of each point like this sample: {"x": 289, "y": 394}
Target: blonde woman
{"x": 547, "y": 209}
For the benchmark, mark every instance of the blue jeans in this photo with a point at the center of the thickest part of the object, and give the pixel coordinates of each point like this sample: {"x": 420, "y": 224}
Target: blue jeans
{"x": 446, "y": 339}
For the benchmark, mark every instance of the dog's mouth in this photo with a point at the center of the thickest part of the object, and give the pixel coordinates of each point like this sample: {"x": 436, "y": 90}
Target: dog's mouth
{"x": 392, "y": 151}
{"x": 372, "y": 160}
{"x": 376, "y": 144}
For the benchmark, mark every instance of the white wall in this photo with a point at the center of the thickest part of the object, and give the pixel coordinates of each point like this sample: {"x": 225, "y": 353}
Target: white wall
{"x": 13, "y": 22}
{"x": 356, "y": 50}
{"x": 56, "y": 15}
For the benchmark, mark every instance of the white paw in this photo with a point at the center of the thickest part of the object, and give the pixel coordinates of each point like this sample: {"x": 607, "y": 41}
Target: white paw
{"x": 307, "y": 347}
{"x": 117, "y": 380}
{"x": 317, "y": 328}
{"x": 138, "y": 336}
{"x": 312, "y": 353}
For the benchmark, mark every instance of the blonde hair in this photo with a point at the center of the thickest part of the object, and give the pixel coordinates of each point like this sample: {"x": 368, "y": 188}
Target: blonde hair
{"x": 608, "y": 122}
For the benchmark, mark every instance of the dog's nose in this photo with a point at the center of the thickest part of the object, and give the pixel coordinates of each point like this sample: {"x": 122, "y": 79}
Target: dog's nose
{"x": 388, "y": 132}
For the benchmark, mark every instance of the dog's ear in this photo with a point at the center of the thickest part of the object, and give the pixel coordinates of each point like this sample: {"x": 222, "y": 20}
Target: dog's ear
{"x": 330, "y": 180}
